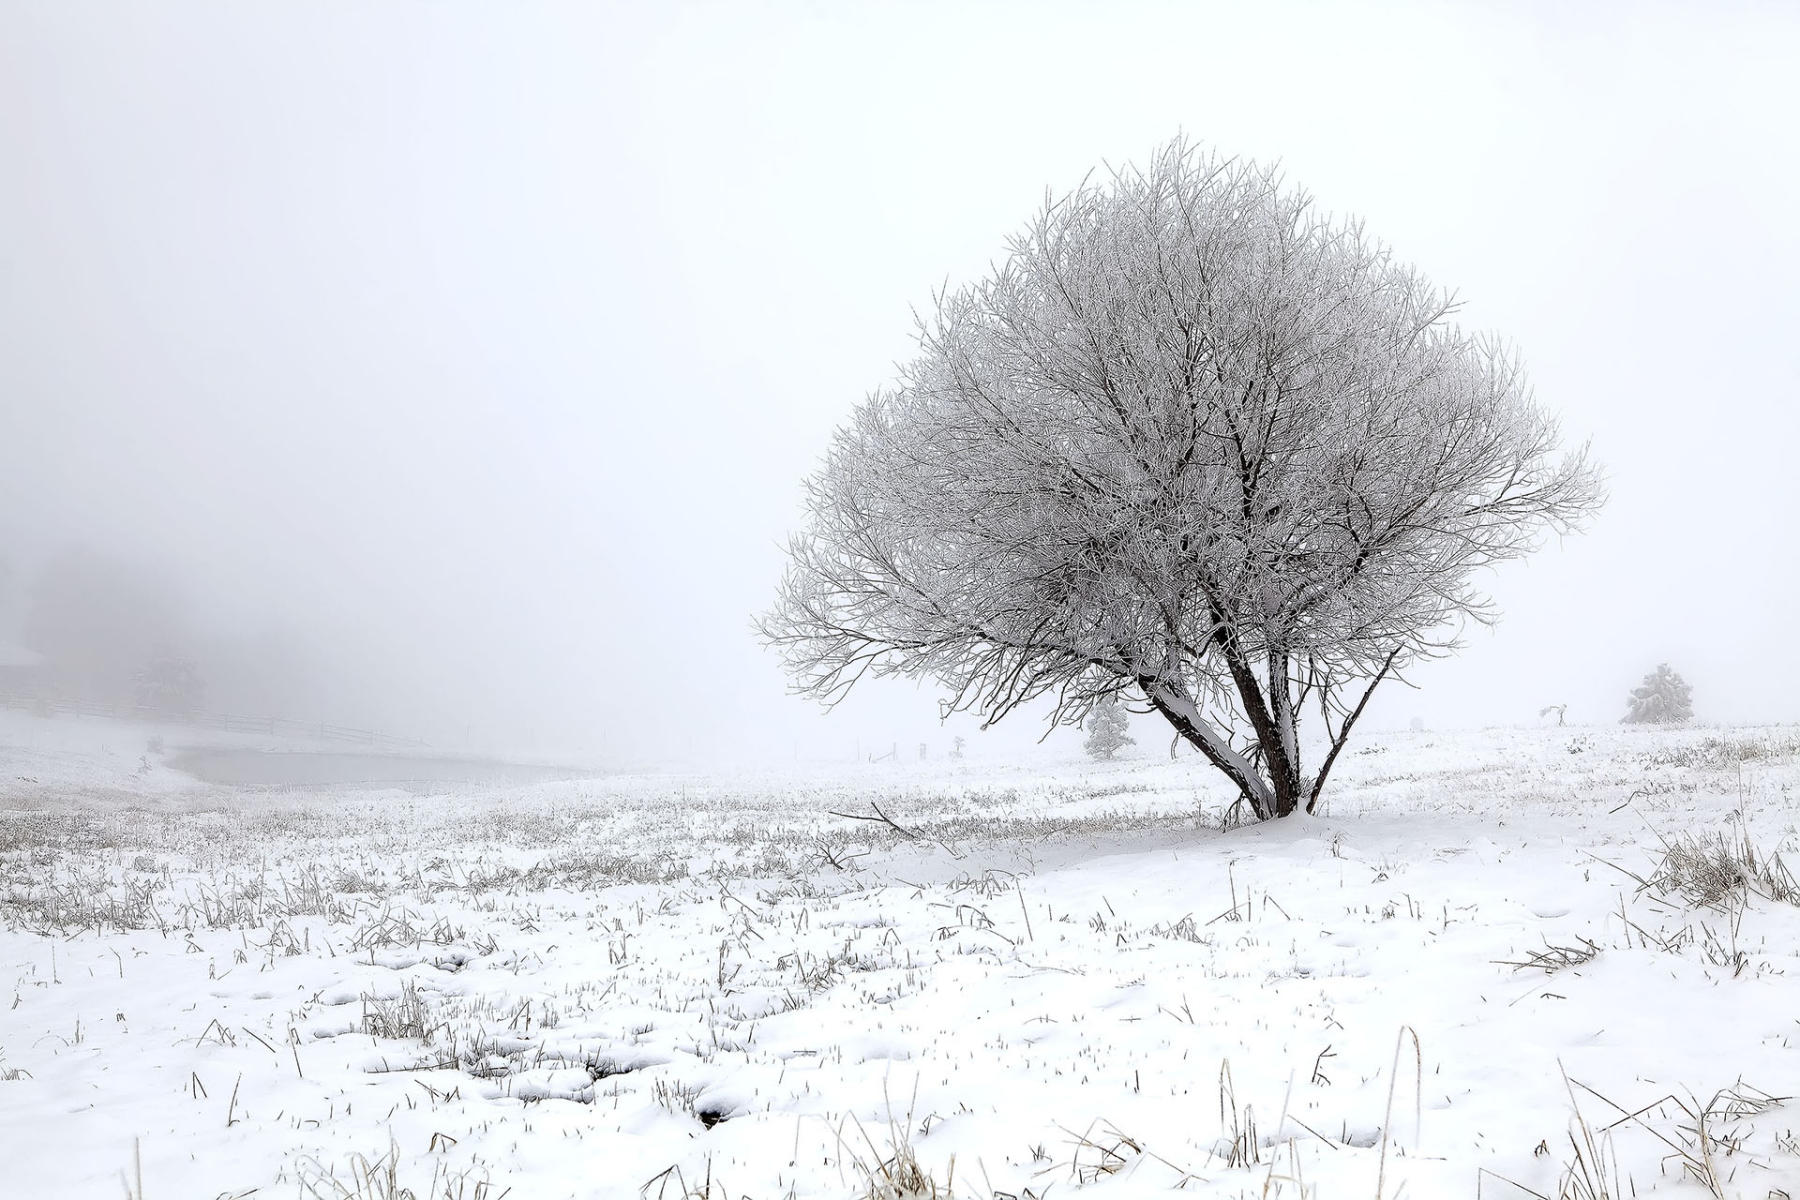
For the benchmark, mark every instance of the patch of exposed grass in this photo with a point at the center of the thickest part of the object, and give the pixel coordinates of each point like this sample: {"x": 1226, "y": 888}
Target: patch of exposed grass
{"x": 1726, "y": 752}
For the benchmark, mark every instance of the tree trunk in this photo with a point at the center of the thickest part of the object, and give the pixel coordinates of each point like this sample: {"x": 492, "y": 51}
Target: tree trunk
{"x": 1290, "y": 788}
{"x": 1280, "y": 790}
{"x": 1272, "y": 719}
{"x": 1181, "y": 712}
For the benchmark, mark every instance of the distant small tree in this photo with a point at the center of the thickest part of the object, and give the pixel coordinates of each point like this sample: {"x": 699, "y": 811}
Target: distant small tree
{"x": 169, "y": 683}
{"x": 956, "y": 746}
{"x": 1559, "y": 709}
{"x": 1106, "y": 730}
{"x": 1664, "y": 698}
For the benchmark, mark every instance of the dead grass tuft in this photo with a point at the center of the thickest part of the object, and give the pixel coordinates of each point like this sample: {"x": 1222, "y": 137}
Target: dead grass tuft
{"x": 896, "y": 1172}
{"x": 403, "y": 1017}
{"x": 1240, "y": 1147}
{"x": 671, "y": 1184}
{"x": 365, "y": 1178}
{"x": 1720, "y": 869}
{"x": 1552, "y": 959}
{"x": 1704, "y": 1142}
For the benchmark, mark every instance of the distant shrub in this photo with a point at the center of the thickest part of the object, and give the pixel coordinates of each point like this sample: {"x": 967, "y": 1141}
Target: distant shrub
{"x": 1664, "y": 698}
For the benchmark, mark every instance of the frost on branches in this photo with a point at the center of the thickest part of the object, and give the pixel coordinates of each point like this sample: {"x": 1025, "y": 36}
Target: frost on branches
{"x": 1106, "y": 724}
{"x": 1194, "y": 439}
{"x": 1664, "y": 698}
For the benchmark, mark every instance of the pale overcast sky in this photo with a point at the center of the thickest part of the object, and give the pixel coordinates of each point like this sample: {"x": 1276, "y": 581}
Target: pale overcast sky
{"x": 487, "y": 344}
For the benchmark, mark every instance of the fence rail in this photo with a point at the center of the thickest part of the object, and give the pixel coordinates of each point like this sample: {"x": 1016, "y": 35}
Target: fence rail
{"x": 227, "y": 722}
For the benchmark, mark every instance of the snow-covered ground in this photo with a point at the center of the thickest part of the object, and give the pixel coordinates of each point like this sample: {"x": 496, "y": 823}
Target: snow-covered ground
{"x": 1062, "y": 978}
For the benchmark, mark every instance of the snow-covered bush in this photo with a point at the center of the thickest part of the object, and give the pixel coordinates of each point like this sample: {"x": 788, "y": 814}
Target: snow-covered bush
{"x": 1664, "y": 698}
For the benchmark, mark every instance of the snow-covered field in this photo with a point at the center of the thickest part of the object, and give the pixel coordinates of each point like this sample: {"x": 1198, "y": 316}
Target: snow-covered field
{"x": 1465, "y": 978}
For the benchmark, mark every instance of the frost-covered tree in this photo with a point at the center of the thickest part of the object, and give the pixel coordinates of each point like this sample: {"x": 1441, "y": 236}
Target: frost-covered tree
{"x": 1664, "y": 698}
{"x": 1106, "y": 725}
{"x": 1193, "y": 439}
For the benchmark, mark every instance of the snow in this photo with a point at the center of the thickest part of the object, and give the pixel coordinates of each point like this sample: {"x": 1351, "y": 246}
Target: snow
{"x": 1073, "y": 981}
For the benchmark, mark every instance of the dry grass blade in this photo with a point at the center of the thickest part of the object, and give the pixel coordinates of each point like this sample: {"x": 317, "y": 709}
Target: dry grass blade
{"x": 670, "y": 1184}
{"x": 1107, "y": 1153}
{"x": 1593, "y": 1172}
{"x": 1111, "y": 1151}
{"x": 1243, "y": 1149}
{"x": 1709, "y": 1137}
{"x": 1554, "y": 958}
{"x": 1742, "y": 1100}
{"x": 1387, "y": 1121}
